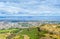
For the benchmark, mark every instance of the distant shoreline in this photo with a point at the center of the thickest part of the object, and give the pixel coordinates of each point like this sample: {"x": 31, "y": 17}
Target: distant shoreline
{"x": 28, "y": 18}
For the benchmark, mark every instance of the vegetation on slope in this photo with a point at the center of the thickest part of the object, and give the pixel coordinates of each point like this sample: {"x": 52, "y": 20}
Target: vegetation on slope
{"x": 45, "y": 31}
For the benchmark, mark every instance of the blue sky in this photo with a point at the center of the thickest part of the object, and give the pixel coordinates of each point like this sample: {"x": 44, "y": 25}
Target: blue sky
{"x": 29, "y": 7}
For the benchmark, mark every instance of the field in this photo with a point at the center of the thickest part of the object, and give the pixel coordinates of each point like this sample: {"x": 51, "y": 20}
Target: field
{"x": 45, "y": 31}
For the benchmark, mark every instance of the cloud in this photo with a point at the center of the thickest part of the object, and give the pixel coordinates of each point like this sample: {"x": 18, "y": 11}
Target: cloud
{"x": 30, "y": 7}
{"x": 10, "y": 9}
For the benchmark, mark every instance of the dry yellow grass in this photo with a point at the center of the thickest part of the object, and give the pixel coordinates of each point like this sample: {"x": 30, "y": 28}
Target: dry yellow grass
{"x": 51, "y": 28}
{"x": 53, "y": 36}
{"x": 26, "y": 37}
{"x": 16, "y": 37}
{"x": 3, "y": 36}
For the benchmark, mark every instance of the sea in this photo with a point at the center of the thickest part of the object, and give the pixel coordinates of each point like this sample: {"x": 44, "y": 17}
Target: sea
{"x": 29, "y": 18}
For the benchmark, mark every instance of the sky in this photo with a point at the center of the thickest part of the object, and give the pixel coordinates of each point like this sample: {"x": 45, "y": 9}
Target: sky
{"x": 29, "y": 7}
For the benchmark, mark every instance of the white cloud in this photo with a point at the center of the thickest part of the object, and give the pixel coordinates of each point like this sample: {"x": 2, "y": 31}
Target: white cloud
{"x": 10, "y": 9}
{"x": 35, "y": 8}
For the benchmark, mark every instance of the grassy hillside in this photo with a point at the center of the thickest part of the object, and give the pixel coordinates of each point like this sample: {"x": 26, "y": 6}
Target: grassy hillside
{"x": 45, "y": 31}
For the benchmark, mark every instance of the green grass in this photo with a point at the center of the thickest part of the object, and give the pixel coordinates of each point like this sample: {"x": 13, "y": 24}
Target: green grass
{"x": 32, "y": 33}
{"x": 9, "y": 30}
